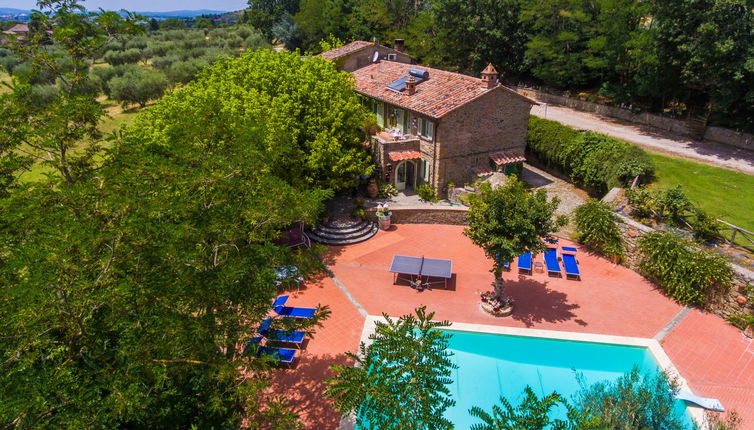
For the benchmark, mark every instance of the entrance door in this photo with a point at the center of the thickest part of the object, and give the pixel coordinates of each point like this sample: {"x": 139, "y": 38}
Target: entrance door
{"x": 405, "y": 176}
{"x": 400, "y": 177}
{"x": 410, "y": 175}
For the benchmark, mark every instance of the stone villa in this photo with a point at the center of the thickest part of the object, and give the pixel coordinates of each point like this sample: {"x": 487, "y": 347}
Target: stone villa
{"x": 438, "y": 127}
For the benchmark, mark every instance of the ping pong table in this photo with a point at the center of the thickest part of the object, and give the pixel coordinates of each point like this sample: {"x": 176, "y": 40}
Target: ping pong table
{"x": 404, "y": 266}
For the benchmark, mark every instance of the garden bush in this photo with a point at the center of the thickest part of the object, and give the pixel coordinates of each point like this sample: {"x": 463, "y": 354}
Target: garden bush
{"x": 592, "y": 160}
{"x": 672, "y": 205}
{"x": 596, "y": 227}
{"x": 686, "y": 274}
{"x": 706, "y": 228}
{"x": 426, "y": 193}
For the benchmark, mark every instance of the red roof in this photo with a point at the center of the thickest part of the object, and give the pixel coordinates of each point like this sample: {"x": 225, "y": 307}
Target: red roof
{"x": 435, "y": 97}
{"x": 404, "y": 155}
{"x": 505, "y": 158}
{"x": 344, "y": 50}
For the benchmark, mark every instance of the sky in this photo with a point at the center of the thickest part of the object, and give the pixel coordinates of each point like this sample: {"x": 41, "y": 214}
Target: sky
{"x": 142, "y": 5}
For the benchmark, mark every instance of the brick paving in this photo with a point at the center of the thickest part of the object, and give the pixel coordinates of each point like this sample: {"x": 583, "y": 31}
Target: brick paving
{"x": 713, "y": 356}
{"x": 716, "y": 359}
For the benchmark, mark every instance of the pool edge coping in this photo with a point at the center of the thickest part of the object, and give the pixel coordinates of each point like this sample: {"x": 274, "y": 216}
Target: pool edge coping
{"x": 654, "y": 347}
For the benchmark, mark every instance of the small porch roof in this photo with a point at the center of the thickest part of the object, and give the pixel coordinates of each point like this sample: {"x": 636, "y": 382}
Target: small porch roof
{"x": 404, "y": 155}
{"x": 506, "y": 158}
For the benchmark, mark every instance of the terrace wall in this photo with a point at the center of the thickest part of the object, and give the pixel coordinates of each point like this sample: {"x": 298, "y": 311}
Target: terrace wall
{"x": 453, "y": 215}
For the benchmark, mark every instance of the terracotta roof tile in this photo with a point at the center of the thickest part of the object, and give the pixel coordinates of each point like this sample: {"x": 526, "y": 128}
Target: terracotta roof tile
{"x": 344, "y": 50}
{"x": 505, "y": 158}
{"x": 404, "y": 155}
{"x": 435, "y": 97}
{"x": 483, "y": 171}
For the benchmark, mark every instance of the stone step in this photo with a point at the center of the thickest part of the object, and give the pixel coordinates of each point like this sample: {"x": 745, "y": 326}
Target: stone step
{"x": 342, "y": 234}
{"x": 334, "y": 228}
{"x": 340, "y": 240}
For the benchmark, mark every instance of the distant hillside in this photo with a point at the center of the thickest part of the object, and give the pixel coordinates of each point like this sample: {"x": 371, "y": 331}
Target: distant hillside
{"x": 7, "y": 13}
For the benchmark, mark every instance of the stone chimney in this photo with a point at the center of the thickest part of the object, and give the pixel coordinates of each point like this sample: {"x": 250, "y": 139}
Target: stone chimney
{"x": 489, "y": 76}
{"x": 398, "y": 45}
{"x": 410, "y": 85}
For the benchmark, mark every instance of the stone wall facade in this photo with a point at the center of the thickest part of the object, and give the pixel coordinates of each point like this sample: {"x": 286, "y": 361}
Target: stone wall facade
{"x": 496, "y": 121}
{"x": 714, "y": 134}
{"x": 453, "y": 215}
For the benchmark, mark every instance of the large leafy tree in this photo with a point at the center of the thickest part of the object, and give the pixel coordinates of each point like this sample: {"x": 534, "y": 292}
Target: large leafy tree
{"x": 129, "y": 294}
{"x": 305, "y": 113}
{"x": 49, "y": 133}
{"x": 264, "y": 14}
{"x": 400, "y": 380}
{"x": 473, "y": 33}
{"x": 508, "y": 221}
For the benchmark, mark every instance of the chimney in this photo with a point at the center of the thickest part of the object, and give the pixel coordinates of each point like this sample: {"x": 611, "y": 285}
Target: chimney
{"x": 489, "y": 76}
{"x": 398, "y": 45}
{"x": 410, "y": 85}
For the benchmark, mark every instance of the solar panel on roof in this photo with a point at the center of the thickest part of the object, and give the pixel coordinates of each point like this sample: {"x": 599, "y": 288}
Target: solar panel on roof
{"x": 400, "y": 84}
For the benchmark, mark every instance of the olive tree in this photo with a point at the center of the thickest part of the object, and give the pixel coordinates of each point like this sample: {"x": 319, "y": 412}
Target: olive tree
{"x": 508, "y": 221}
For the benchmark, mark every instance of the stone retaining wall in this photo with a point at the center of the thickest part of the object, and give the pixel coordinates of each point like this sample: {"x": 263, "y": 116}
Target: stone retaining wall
{"x": 714, "y": 134}
{"x": 454, "y": 215}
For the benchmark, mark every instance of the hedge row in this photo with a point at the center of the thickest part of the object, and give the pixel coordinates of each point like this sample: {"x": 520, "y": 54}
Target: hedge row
{"x": 592, "y": 160}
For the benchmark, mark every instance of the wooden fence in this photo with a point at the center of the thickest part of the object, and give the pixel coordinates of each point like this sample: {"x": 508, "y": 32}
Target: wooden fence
{"x": 746, "y": 236}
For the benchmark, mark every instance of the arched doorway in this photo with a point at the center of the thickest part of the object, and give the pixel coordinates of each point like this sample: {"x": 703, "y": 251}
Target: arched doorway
{"x": 405, "y": 176}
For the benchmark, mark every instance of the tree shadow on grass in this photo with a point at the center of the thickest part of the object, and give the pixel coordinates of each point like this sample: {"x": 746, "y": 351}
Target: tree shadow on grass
{"x": 535, "y": 303}
{"x": 304, "y": 387}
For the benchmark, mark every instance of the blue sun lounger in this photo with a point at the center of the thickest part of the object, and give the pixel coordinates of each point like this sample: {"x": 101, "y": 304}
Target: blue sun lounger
{"x": 524, "y": 263}
{"x": 292, "y": 336}
{"x": 284, "y": 355}
{"x": 288, "y": 311}
{"x": 706, "y": 403}
{"x": 551, "y": 261}
{"x": 571, "y": 266}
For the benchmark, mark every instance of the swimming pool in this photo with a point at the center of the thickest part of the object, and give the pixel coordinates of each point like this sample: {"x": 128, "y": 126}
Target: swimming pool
{"x": 495, "y": 365}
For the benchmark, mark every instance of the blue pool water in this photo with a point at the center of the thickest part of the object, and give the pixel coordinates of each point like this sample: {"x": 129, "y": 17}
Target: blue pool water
{"x": 492, "y": 365}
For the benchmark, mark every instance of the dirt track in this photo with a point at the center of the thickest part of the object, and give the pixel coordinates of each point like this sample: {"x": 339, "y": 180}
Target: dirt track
{"x": 655, "y": 140}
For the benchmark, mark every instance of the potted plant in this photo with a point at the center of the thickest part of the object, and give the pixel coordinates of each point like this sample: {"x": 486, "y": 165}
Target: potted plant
{"x": 383, "y": 216}
{"x": 372, "y": 189}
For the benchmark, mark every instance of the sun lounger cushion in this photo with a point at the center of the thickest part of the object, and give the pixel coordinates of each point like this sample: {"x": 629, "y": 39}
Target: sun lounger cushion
{"x": 568, "y": 249}
{"x": 571, "y": 266}
{"x": 285, "y": 355}
{"x": 551, "y": 261}
{"x": 524, "y": 262}
{"x": 294, "y": 336}
{"x": 288, "y": 311}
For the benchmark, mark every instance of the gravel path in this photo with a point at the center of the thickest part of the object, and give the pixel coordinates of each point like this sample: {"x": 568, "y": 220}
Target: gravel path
{"x": 653, "y": 139}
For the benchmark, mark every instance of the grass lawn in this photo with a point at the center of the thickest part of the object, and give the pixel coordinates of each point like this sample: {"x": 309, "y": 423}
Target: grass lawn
{"x": 725, "y": 194}
{"x": 4, "y": 77}
{"x": 118, "y": 118}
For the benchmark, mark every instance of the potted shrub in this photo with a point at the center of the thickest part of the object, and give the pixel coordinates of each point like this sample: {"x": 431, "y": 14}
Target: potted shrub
{"x": 359, "y": 213}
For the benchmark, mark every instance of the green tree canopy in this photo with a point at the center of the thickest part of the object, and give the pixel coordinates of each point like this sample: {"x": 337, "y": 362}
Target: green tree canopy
{"x": 400, "y": 380}
{"x": 508, "y": 221}
{"x": 305, "y": 112}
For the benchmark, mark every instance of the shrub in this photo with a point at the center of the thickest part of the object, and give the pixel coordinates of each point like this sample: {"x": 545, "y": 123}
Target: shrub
{"x": 386, "y": 191}
{"x": 672, "y": 204}
{"x": 427, "y": 193}
{"x": 641, "y": 202}
{"x": 359, "y": 213}
{"x": 44, "y": 94}
{"x": 593, "y": 160}
{"x": 684, "y": 273}
{"x": 731, "y": 421}
{"x": 741, "y": 320}
{"x": 633, "y": 401}
{"x": 706, "y": 228}
{"x": 596, "y": 226}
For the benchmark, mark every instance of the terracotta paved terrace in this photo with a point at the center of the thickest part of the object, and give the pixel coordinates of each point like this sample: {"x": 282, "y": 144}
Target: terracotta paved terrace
{"x": 713, "y": 356}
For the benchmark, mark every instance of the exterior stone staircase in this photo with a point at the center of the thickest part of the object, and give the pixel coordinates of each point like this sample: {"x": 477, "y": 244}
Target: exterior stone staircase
{"x": 343, "y": 232}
